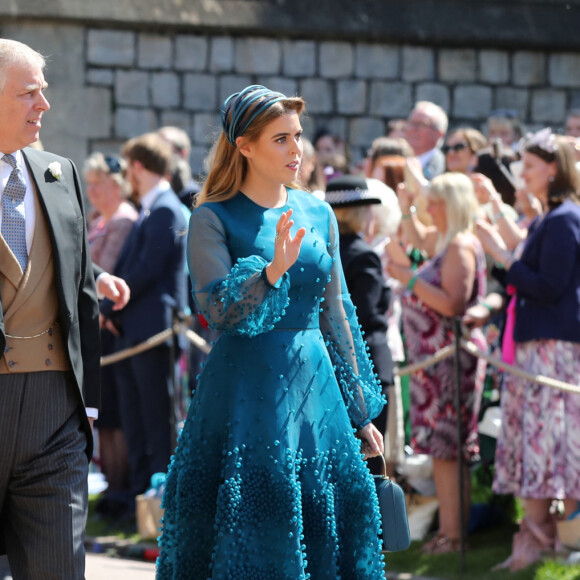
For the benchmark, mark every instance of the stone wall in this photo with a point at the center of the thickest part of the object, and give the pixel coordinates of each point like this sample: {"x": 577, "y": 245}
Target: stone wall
{"x": 109, "y": 83}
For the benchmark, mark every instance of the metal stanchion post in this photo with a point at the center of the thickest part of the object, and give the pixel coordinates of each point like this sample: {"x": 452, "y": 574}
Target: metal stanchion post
{"x": 457, "y": 332}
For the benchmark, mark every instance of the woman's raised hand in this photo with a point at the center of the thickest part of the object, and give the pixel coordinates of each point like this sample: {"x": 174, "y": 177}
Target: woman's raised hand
{"x": 286, "y": 248}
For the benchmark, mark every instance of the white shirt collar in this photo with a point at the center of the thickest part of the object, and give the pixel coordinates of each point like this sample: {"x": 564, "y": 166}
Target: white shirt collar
{"x": 424, "y": 158}
{"x": 149, "y": 198}
{"x": 19, "y": 160}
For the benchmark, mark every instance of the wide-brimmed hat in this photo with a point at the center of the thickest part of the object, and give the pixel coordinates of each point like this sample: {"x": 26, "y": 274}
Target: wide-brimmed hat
{"x": 351, "y": 190}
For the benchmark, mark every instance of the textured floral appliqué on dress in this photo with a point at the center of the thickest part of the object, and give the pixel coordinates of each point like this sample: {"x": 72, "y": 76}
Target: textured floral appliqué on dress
{"x": 433, "y": 412}
{"x": 267, "y": 481}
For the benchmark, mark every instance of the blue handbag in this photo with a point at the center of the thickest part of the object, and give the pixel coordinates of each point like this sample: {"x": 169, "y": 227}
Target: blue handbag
{"x": 393, "y": 510}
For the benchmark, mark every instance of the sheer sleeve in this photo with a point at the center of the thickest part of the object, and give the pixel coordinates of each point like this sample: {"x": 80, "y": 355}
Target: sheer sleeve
{"x": 360, "y": 387}
{"x": 235, "y": 298}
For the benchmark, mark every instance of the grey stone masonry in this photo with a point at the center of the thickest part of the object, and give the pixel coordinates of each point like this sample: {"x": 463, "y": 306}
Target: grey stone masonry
{"x": 132, "y": 88}
{"x": 286, "y": 86}
{"x": 472, "y": 101}
{"x": 257, "y": 56}
{"x": 529, "y": 68}
{"x": 111, "y": 47}
{"x": 100, "y": 76}
{"x": 364, "y": 130}
{"x": 165, "y": 90}
{"x": 494, "y": 67}
{"x": 457, "y": 65}
{"x": 318, "y": 95}
{"x": 548, "y": 105}
{"x": 393, "y": 99}
{"x": 351, "y": 96}
{"x": 200, "y": 92}
{"x": 205, "y": 128}
{"x": 154, "y": 51}
{"x": 109, "y": 84}
{"x": 299, "y": 58}
{"x": 230, "y": 84}
{"x": 221, "y": 54}
{"x": 191, "y": 53}
{"x": 418, "y": 63}
{"x": 176, "y": 118}
{"x": 439, "y": 94}
{"x": 512, "y": 98}
{"x": 336, "y": 59}
{"x": 132, "y": 122}
{"x": 376, "y": 61}
{"x": 564, "y": 70}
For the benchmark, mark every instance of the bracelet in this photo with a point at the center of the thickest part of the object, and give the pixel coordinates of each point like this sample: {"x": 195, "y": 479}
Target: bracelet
{"x": 498, "y": 216}
{"x": 411, "y": 283}
{"x": 408, "y": 216}
{"x": 488, "y": 306}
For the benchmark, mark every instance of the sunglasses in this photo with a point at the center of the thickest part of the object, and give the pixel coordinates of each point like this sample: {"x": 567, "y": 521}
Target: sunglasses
{"x": 455, "y": 148}
{"x": 113, "y": 164}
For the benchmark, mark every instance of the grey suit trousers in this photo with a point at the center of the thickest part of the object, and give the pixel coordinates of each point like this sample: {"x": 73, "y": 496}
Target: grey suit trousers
{"x": 43, "y": 476}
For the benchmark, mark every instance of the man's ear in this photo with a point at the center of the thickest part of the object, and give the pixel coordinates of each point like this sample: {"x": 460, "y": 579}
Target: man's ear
{"x": 245, "y": 147}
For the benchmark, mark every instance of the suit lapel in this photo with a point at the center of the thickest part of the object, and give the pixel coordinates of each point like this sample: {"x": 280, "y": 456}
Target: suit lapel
{"x": 64, "y": 218}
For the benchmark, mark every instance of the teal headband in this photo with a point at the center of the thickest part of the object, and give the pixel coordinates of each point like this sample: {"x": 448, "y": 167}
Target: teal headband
{"x": 237, "y": 105}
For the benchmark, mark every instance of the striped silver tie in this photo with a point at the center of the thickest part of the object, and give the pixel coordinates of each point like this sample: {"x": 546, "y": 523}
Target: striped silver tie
{"x": 13, "y": 224}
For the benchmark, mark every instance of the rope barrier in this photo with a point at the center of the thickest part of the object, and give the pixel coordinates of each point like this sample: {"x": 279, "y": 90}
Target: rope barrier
{"x": 440, "y": 355}
{"x": 447, "y": 351}
{"x": 540, "y": 379}
{"x": 156, "y": 340}
{"x": 148, "y": 344}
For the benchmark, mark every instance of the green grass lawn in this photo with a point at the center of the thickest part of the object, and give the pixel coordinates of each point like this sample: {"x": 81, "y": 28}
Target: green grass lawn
{"x": 486, "y": 548}
{"x": 98, "y": 527}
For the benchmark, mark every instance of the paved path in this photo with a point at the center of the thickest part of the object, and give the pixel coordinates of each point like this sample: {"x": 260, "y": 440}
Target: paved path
{"x": 101, "y": 567}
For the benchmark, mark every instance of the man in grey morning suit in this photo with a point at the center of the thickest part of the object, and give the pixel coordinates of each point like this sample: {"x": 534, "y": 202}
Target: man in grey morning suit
{"x": 49, "y": 337}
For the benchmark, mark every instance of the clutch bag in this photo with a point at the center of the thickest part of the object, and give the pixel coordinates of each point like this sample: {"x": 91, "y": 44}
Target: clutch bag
{"x": 396, "y": 535}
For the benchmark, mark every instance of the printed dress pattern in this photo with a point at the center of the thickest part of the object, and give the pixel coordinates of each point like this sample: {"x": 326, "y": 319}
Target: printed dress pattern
{"x": 538, "y": 448}
{"x": 268, "y": 481}
{"x": 433, "y": 409}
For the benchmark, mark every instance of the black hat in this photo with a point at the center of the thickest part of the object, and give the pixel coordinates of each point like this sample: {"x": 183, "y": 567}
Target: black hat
{"x": 350, "y": 190}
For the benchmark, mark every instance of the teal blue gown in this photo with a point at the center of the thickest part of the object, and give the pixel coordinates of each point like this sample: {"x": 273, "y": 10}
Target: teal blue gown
{"x": 268, "y": 481}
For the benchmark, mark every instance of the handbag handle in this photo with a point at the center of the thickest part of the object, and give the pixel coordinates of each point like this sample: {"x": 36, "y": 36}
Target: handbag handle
{"x": 384, "y": 474}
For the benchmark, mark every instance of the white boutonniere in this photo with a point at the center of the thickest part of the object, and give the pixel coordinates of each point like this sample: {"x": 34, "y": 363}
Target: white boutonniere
{"x": 55, "y": 169}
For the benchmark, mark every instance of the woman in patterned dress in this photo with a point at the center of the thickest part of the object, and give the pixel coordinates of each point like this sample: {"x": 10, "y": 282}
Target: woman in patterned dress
{"x": 444, "y": 287}
{"x": 538, "y": 450}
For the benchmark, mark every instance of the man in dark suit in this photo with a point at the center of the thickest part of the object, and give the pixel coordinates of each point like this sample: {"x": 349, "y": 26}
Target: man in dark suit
{"x": 426, "y": 127}
{"x": 49, "y": 337}
{"x": 152, "y": 263}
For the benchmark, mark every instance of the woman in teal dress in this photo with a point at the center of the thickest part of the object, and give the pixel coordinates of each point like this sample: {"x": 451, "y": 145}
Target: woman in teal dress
{"x": 268, "y": 480}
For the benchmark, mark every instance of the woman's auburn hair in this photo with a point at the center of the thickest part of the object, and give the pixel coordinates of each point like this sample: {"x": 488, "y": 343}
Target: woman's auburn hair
{"x": 228, "y": 168}
{"x": 566, "y": 182}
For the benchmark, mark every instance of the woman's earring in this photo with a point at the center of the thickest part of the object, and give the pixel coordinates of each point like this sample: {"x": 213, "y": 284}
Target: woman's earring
{"x": 551, "y": 179}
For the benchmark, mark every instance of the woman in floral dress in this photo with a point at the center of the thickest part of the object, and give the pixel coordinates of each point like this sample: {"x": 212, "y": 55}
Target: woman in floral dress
{"x": 444, "y": 287}
{"x": 538, "y": 450}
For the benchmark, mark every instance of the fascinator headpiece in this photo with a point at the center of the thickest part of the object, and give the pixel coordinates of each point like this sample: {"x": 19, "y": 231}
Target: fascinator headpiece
{"x": 543, "y": 140}
{"x": 240, "y": 109}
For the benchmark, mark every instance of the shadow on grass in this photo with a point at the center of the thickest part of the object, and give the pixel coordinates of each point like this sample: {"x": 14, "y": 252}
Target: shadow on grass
{"x": 98, "y": 526}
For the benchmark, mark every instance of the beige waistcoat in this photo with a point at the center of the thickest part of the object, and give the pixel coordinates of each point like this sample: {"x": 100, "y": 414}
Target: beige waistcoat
{"x": 30, "y": 304}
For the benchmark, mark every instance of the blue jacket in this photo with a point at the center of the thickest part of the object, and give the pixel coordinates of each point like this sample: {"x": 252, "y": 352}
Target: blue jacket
{"x": 547, "y": 278}
{"x": 152, "y": 262}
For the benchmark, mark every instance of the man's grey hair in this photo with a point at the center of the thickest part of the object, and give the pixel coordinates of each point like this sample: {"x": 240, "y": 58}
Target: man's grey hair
{"x": 12, "y": 53}
{"x": 436, "y": 113}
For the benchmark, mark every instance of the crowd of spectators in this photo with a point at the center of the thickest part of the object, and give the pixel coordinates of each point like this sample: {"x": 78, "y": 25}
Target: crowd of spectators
{"x": 438, "y": 223}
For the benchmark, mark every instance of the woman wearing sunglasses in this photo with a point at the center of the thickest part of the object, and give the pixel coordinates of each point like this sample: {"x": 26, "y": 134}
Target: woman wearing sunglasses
{"x": 461, "y": 147}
